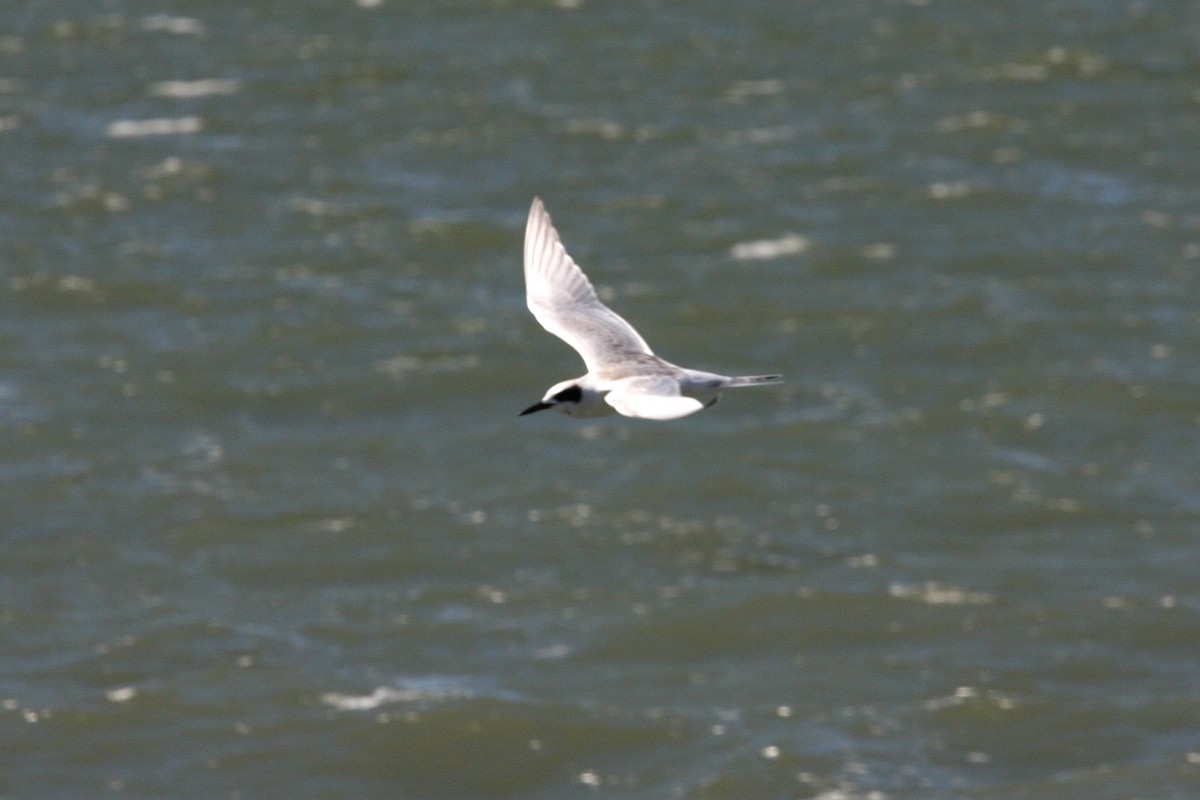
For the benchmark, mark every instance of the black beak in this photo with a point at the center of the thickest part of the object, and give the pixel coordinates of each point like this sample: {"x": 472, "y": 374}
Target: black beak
{"x": 538, "y": 406}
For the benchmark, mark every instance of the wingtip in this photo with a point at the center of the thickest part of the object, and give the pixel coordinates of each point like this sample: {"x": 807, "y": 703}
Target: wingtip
{"x": 538, "y": 215}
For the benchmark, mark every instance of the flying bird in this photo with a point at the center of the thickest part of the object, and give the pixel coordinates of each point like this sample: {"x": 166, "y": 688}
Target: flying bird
{"x": 623, "y": 374}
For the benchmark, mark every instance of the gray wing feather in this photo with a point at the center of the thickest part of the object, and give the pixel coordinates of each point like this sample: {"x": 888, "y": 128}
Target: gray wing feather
{"x": 564, "y": 302}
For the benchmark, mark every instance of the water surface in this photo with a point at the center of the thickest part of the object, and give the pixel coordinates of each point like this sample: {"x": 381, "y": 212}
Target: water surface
{"x": 271, "y": 527}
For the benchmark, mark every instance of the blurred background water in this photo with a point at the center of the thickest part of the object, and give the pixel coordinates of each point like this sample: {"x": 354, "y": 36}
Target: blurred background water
{"x": 270, "y": 525}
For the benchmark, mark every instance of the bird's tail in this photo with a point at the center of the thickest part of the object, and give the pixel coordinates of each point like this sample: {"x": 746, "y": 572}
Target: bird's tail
{"x": 753, "y": 380}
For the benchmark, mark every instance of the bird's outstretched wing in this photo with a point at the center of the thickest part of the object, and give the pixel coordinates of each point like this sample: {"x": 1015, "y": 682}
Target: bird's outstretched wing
{"x": 651, "y": 397}
{"x": 564, "y": 302}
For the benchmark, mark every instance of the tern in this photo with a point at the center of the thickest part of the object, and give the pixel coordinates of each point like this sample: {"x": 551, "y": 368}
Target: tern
{"x": 624, "y": 376}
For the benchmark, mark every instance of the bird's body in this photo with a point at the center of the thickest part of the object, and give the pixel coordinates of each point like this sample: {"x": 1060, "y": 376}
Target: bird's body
{"x": 623, "y": 374}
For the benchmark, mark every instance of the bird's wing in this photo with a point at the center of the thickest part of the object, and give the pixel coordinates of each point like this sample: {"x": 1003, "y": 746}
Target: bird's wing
{"x": 564, "y": 302}
{"x": 651, "y": 397}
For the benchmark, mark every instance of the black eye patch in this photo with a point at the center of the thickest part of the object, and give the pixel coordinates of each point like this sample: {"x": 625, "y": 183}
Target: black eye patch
{"x": 571, "y": 394}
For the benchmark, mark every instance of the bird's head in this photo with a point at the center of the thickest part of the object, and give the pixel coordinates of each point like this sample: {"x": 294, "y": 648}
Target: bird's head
{"x": 565, "y": 397}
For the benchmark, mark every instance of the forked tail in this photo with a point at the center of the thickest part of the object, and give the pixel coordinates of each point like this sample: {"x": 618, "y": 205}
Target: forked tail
{"x": 753, "y": 380}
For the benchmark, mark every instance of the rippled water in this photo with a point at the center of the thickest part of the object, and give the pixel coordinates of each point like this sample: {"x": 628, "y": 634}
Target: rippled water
{"x": 271, "y": 526}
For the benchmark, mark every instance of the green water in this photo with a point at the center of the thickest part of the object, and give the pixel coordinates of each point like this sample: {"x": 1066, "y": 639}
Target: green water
{"x": 270, "y": 525}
